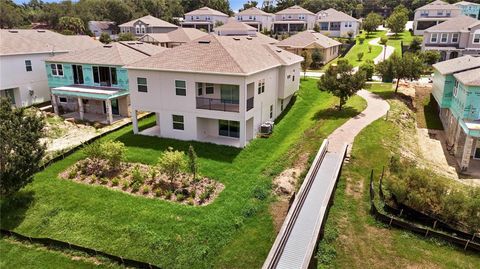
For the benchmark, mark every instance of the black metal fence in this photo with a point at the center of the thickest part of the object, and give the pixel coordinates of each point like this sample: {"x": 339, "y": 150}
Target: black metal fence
{"x": 48, "y": 242}
{"x": 392, "y": 221}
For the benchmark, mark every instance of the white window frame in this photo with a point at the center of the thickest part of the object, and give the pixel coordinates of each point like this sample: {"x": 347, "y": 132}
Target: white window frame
{"x": 455, "y": 89}
{"x": 63, "y": 97}
{"x": 137, "y": 29}
{"x": 180, "y": 88}
{"x": 301, "y": 17}
{"x": 261, "y": 86}
{"x": 477, "y": 33}
{"x": 436, "y": 38}
{"x": 28, "y": 63}
{"x": 55, "y": 70}
{"x": 142, "y": 84}
{"x": 143, "y": 29}
{"x": 456, "y": 35}
{"x": 178, "y": 122}
{"x": 441, "y": 38}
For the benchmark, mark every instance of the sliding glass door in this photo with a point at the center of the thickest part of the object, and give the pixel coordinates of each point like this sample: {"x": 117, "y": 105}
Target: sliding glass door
{"x": 229, "y": 128}
{"x": 229, "y": 94}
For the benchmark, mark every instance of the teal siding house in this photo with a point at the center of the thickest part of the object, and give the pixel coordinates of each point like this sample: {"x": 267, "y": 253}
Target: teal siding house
{"x": 92, "y": 84}
{"x": 469, "y": 9}
{"x": 456, "y": 88}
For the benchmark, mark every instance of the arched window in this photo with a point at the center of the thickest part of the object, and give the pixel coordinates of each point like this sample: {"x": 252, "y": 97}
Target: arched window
{"x": 143, "y": 29}
{"x": 137, "y": 29}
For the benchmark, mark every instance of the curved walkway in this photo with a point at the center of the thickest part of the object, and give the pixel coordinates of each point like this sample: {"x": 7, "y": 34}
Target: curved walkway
{"x": 381, "y": 56}
{"x": 376, "y": 108}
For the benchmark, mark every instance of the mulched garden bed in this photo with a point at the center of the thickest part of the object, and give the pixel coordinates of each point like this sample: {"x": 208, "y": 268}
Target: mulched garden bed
{"x": 144, "y": 180}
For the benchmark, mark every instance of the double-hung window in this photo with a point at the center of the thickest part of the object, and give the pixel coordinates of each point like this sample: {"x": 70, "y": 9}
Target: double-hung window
{"x": 178, "y": 122}
{"x": 209, "y": 88}
{"x": 271, "y": 111}
{"x": 28, "y": 65}
{"x": 142, "y": 84}
{"x": 199, "y": 88}
{"x": 261, "y": 86}
{"x": 180, "y": 87}
{"x": 57, "y": 70}
{"x": 455, "y": 38}
{"x": 476, "y": 38}
{"x": 433, "y": 38}
{"x": 443, "y": 38}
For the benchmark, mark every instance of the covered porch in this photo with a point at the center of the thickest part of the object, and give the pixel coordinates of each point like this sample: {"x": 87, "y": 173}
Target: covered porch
{"x": 289, "y": 26}
{"x": 221, "y": 97}
{"x": 467, "y": 147}
{"x": 206, "y": 25}
{"x": 91, "y": 103}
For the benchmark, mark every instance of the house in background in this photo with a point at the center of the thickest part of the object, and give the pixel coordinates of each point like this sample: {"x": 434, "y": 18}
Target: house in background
{"x": 216, "y": 89}
{"x": 174, "y": 38}
{"x": 234, "y": 27}
{"x": 337, "y": 24}
{"x": 469, "y": 9}
{"x": 453, "y": 38}
{"x": 432, "y": 14}
{"x": 204, "y": 18}
{"x": 92, "y": 84}
{"x": 310, "y": 40}
{"x": 456, "y": 88}
{"x": 257, "y": 18}
{"x": 293, "y": 19}
{"x": 22, "y": 56}
{"x": 99, "y": 27}
{"x": 146, "y": 25}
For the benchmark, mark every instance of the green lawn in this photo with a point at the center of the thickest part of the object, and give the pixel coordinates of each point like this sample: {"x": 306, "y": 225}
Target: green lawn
{"x": 353, "y": 239}
{"x": 21, "y": 255}
{"x": 235, "y": 231}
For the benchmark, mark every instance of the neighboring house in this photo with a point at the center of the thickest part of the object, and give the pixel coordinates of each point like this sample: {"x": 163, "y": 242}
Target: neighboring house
{"x": 293, "y": 19}
{"x": 92, "y": 84}
{"x": 99, "y": 27}
{"x": 233, "y": 27}
{"x": 257, "y": 18}
{"x": 204, "y": 18}
{"x": 469, "y": 9}
{"x": 174, "y": 38}
{"x": 337, "y": 24}
{"x": 217, "y": 89}
{"x": 456, "y": 88}
{"x": 432, "y": 14}
{"x": 22, "y": 56}
{"x": 308, "y": 41}
{"x": 146, "y": 25}
{"x": 453, "y": 38}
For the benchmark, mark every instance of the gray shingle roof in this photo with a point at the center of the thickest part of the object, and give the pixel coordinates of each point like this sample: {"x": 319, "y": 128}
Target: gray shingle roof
{"x": 294, "y": 10}
{"x": 332, "y": 15}
{"x": 235, "y": 25}
{"x": 470, "y": 77}
{"x": 23, "y": 41}
{"x": 206, "y": 11}
{"x": 454, "y": 24}
{"x": 306, "y": 38}
{"x": 457, "y": 64}
{"x": 180, "y": 35}
{"x": 254, "y": 11}
{"x": 437, "y": 4}
{"x": 151, "y": 21}
{"x": 240, "y": 55}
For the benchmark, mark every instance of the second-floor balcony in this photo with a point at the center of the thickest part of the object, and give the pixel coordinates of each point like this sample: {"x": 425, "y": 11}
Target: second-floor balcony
{"x": 218, "y": 104}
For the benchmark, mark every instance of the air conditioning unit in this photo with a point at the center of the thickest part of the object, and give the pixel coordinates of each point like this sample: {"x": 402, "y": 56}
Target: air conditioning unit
{"x": 266, "y": 128}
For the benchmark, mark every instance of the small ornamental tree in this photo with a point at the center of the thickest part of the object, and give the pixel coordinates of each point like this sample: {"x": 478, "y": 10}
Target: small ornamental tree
{"x": 342, "y": 81}
{"x": 360, "y": 56}
{"x": 410, "y": 66}
{"x": 20, "y": 148}
{"x": 416, "y": 44}
{"x": 316, "y": 28}
{"x": 72, "y": 25}
{"x": 371, "y": 22}
{"x": 105, "y": 38}
{"x": 172, "y": 163}
{"x": 368, "y": 68}
{"x": 430, "y": 57}
{"x": 397, "y": 20}
{"x": 317, "y": 58}
{"x": 126, "y": 37}
{"x": 111, "y": 151}
{"x": 307, "y": 61}
{"x": 192, "y": 161}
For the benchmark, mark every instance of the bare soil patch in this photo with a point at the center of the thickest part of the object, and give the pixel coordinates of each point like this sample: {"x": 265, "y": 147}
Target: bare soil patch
{"x": 144, "y": 180}
{"x": 279, "y": 210}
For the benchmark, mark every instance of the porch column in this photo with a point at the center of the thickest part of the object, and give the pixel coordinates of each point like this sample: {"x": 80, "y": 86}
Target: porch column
{"x": 108, "y": 104}
{"x": 288, "y": 27}
{"x": 54, "y": 104}
{"x": 243, "y": 133}
{"x": 456, "y": 138}
{"x": 80, "y": 107}
{"x": 134, "y": 121}
{"x": 467, "y": 152}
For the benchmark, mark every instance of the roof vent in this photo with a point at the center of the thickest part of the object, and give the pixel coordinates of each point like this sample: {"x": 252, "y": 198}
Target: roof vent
{"x": 249, "y": 38}
{"x": 131, "y": 43}
{"x": 13, "y": 31}
{"x": 236, "y": 38}
{"x": 41, "y": 31}
{"x": 204, "y": 42}
{"x": 278, "y": 51}
{"x": 107, "y": 46}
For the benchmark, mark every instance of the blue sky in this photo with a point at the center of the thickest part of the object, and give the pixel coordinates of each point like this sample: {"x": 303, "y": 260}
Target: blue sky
{"x": 234, "y": 4}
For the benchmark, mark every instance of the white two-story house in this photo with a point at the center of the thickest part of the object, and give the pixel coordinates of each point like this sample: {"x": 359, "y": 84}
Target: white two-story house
{"x": 147, "y": 25}
{"x": 221, "y": 97}
{"x": 335, "y": 23}
{"x": 204, "y": 18}
{"x": 257, "y": 18}
{"x": 432, "y": 14}
{"x": 454, "y": 38}
{"x": 22, "y": 66}
{"x": 294, "y": 19}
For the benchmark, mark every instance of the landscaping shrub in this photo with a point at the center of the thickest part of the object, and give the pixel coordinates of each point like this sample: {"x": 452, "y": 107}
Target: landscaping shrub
{"x": 192, "y": 161}
{"x": 361, "y": 39}
{"x": 172, "y": 163}
{"x": 115, "y": 182}
{"x": 369, "y": 68}
{"x": 158, "y": 192}
{"x": 125, "y": 184}
{"x": 111, "y": 151}
{"x": 359, "y": 56}
{"x": 260, "y": 193}
{"x": 137, "y": 176}
{"x": 180, "y": 197}
{"x": 145, "y": 189}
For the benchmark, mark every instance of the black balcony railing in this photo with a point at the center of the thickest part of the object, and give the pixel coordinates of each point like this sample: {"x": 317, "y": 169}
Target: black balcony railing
{"x": 218, "y": 104}
{"x": 249, "y": 103}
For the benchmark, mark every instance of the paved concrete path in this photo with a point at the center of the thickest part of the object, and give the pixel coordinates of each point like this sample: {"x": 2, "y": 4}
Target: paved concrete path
{"x": 376, "y": 108}
{"x": 385, "y": 53}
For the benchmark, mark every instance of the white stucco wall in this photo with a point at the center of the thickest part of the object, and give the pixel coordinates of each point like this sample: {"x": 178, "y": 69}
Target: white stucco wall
{"x": 13, "y": 74}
